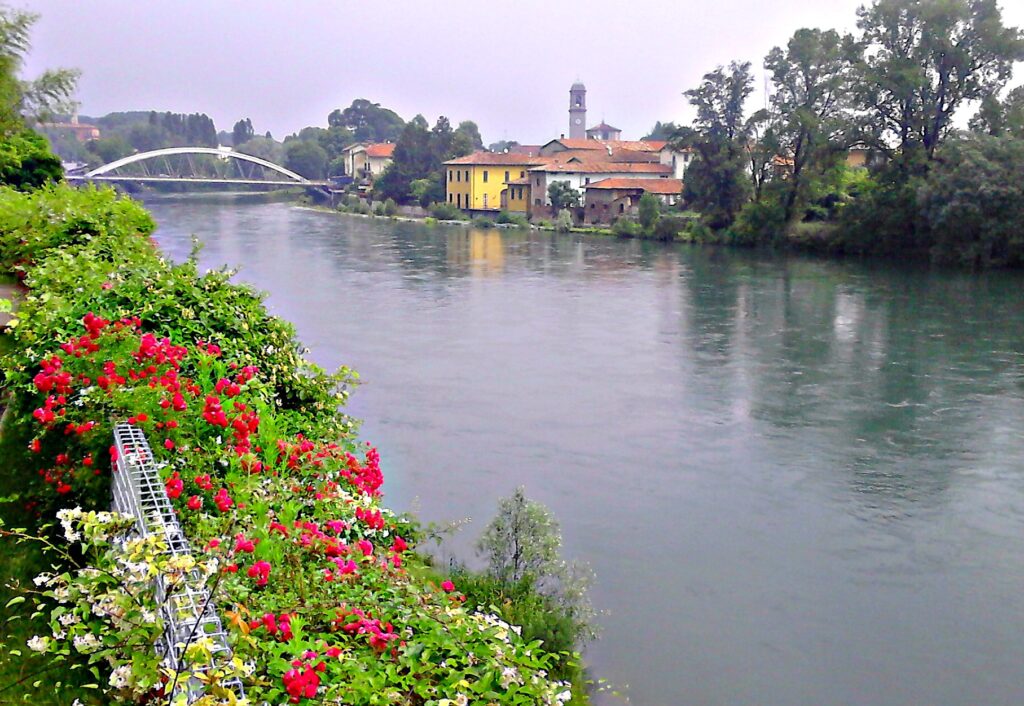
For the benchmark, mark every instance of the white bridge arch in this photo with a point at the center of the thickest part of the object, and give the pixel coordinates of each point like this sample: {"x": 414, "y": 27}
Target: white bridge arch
{"x": 216, "y": 152}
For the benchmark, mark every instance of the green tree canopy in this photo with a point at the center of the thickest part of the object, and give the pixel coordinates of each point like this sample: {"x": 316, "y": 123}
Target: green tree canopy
{"x": 307, "y": 158}
{"x": 716, "y": 182}
{"x": 368, "y": 122}
{"x": 242, "y": 132}
{"x": 562, "y": 195}
{"x": 919, "y": 61}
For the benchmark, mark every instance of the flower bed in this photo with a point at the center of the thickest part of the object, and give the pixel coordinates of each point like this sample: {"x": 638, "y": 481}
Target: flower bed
{"x": 322, "y": 596}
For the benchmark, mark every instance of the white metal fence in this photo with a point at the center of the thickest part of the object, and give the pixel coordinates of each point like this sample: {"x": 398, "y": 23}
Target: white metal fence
{"x": 185, "y": 606}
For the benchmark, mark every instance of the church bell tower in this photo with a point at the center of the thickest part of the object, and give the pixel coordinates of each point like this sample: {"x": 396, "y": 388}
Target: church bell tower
{"x": 578, "y": 111}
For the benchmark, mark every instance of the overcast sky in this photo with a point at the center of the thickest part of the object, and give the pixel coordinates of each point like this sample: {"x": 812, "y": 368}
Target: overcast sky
{"x": 507, "y": 65}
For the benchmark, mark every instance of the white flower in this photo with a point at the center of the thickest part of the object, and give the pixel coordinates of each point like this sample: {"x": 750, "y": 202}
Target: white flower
{"x": 119, "y": 677}
{"x": 563, "y": 696}
{"x": 38, "y": 643}
{"x": 86, "y": 643}
{"x": 461, "y": 700}
{"x": 68, "y": 619}
{"x": 43, "y": 579}
{"x": 509, "y": 676}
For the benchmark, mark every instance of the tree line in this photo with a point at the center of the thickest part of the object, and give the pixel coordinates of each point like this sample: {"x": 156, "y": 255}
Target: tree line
{"x": 894, "y": 89}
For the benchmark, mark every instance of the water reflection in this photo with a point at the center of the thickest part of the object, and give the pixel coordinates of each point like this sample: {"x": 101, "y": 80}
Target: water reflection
{"x": 799, "y": 481}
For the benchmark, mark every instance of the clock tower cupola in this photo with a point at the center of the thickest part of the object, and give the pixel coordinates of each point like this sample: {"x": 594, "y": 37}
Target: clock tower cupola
{"x": 578, "y": 111}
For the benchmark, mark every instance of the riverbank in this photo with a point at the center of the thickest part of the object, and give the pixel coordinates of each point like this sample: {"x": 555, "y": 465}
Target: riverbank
{"x": 289, "y": 503}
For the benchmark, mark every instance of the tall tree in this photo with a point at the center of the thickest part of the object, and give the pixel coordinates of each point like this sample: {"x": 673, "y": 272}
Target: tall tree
{"x": 1001, "y": 117}
{"x": 811, "y": 78}
{"x": 467, "y": 135}
{"x": 716, "y": 183}
{"x": 242, "y": 132}
{"x": 919, "y": 61}
{"x": 306, "y": 157}
{"x": 368, "y": 121}
{"x": 661, "y": 131}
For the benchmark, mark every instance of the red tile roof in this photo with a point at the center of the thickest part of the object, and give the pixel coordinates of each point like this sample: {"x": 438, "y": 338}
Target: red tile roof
{"x": 380, "y": 149}
{"x": 498, "y": 158}
{"x": 604, "y": 167}
{"x": 593, "y": 145}
{"x": 653, "y": 186}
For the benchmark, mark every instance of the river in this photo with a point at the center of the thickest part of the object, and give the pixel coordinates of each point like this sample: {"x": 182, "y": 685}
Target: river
{"x": 797, "y": 481}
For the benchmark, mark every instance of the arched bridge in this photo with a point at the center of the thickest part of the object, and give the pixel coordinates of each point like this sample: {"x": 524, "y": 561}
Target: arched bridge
{"x": 180, "y": 165}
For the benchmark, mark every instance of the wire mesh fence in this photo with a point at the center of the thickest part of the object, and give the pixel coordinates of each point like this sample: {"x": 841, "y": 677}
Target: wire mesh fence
{"x": 185, "y": 604}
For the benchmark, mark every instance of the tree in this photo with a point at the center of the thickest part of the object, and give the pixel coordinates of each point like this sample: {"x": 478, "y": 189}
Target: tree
{"x": 811, "y": 80}
{"x": 523, "y": 544}
{"x": 997, "y": 118}
{"x": 26, "y": 161}
{"x": 661, "y": 131}
{"x": 467, "y": 137}
{"x": 20, "y": 99}
{"x": 263, "y": 147}
{"x": 242, "y": 132}
{"x": 649, "y": 210}
{"x": 108, "y": 149}
{"x": 334, "y": 140}
{"x": 918, "y": 62}
{"x": 522, "y": 540}
{"x": 368, "y": 122}
{"x": 562, "y": 195}
{"x": 972, "y": 202}
{"x": 715, "y": 181}
{"x": 306, "y": 158}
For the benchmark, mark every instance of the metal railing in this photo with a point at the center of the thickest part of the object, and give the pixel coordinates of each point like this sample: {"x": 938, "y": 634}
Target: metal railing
{"x": 185, "y": 606}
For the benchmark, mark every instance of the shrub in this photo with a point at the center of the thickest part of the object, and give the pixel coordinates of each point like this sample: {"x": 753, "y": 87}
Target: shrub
{"x": 446, "y": 212}
{"x": 390, "y": 207}
{"x": 564, "y": 223}
{"x": 669, "y": 227}
{"x": 649, "y": 209}
{"x": 482, "y": 222}
{"x": 759, "y": 224}
{"x": 627, "y": 228}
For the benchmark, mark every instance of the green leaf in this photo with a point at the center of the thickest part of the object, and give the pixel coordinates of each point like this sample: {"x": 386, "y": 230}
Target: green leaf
{"x": 15, "y": 601}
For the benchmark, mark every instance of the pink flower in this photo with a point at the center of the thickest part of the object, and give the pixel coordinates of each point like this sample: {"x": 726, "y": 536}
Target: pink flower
{"x": 366, "y": 547}
{"x": 448, "y": 586}
{"x": 244, "y": 545}
{"x": 223, "y": 500}
{"x": 174, "y": 486}
{"x": 261, "y": 572}
{"x": 168, "y": 444}
{"x": 195, "y": 502}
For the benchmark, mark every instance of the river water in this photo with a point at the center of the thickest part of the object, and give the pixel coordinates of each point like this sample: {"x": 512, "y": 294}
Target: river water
{"x": 797, "y": 481}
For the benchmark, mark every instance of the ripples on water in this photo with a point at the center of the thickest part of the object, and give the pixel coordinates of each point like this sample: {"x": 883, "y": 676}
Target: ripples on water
{"x": 799, "y": 482}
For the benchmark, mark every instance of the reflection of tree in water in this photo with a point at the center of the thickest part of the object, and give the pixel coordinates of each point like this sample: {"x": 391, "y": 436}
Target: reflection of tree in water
{"x": 889, "y": 376}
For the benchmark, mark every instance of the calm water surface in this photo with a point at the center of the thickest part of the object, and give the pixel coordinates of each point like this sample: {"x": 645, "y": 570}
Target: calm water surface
{"x": 798, "y": 482}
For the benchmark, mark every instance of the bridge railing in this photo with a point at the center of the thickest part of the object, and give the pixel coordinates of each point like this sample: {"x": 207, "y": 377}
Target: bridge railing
{"x": 186, "y": 606}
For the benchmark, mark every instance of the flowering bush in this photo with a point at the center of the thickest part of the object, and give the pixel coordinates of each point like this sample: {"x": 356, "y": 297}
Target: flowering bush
{"x": 319, "y": 590}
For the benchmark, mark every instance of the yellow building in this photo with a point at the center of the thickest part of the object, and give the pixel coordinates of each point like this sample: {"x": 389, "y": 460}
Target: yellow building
{"x": 476, "y": 182}
{"x": 517, "y": 197}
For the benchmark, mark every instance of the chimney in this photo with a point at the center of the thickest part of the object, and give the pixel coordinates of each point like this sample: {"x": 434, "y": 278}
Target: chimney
{"x": 562, "y": 136}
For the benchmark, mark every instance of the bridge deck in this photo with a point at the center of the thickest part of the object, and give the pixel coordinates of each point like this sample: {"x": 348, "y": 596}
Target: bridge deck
{"x": 195, "y": 180}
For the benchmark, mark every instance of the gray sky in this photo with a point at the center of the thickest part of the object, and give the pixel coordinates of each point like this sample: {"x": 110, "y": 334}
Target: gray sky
{"x": 507, "y": 65}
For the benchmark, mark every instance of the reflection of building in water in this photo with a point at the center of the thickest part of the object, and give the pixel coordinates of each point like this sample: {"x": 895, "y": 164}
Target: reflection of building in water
{"x": 482, "y": 251}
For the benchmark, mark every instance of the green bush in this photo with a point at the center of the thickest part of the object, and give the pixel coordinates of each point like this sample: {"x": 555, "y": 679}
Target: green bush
{"x": 446, "y": 212}
{"x": 759, "y": 224}
{"x": 390, "y": 207}
{"x": 627, "y": 228}
{"x": 482, "y": 222}
{"x": 669, "y": 227}
{"x": 564, "y": 223}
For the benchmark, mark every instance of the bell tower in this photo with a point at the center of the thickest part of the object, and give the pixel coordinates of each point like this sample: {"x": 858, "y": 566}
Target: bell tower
{"x": 578, "y": 111}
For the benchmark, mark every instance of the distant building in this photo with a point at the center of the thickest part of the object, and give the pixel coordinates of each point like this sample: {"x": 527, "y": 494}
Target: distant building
{"x": 616, "y": 197}
{"x": 580, "y": 174}
{"x": 604, "y": 131}
{"x": 366, "y": 161}
{"x": 578, "y": 111}
{"x": 83, "y": 132}
{"x": 476, "y": 182}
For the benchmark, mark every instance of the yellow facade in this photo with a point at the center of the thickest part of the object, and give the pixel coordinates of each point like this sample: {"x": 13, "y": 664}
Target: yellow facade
{"x": 475, "y": 182}
{"x": 517, "y": 198}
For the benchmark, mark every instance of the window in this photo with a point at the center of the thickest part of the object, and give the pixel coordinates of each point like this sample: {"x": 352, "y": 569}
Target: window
{"x": 458, "y": 176}
{"x": 522, "y": 175}
{"x": 450, "y": 198}
{"x": 519, "y": 193}
{"x": 449, "y": 175}
{"x": 586, "y": 181}
{"x": 538, "y": 181}
{"x": 506, "y": 176}
{"x": 485, "y": 197}
{"x": 622, "y": 207}
{"x": 592, "y": 206}
{"x": 459, "y": 201}
{"x": 485, "y": 176}
{"x": 536, "y": 202}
